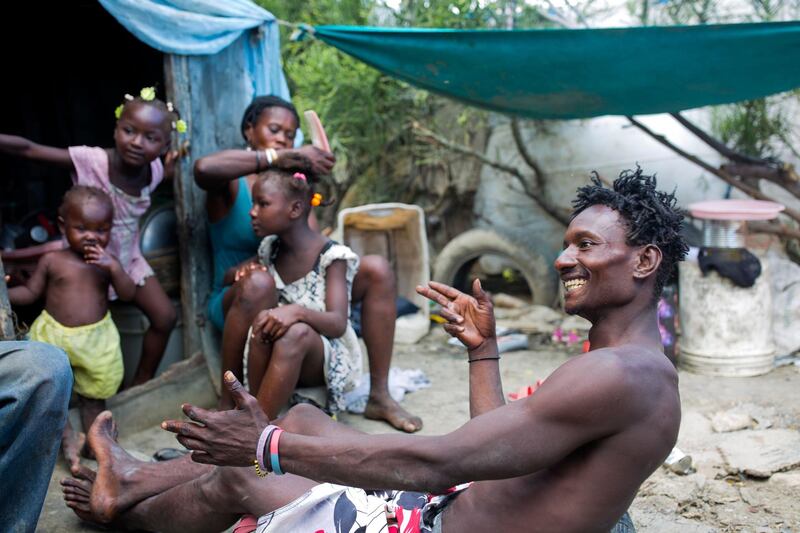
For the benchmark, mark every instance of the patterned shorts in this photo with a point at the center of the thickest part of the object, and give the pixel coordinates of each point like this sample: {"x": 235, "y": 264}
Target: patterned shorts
{"x": 329, "y": 507}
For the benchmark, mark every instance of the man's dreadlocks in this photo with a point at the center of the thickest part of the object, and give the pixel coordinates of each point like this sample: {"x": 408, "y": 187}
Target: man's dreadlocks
{"x": 650, "y": 216}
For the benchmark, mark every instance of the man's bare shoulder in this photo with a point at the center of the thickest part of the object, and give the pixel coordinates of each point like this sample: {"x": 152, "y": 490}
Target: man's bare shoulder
{"x": 619, "y": 381}
{"x": 620, "y": 363}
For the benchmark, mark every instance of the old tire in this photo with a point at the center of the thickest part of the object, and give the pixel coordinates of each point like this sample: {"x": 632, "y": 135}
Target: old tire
{"x": 454, "y": 261}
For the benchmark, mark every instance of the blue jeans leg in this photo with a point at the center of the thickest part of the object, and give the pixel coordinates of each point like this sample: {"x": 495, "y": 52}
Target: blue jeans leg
{"x": 35, "y": 386}
{"x": 625, "y": 525}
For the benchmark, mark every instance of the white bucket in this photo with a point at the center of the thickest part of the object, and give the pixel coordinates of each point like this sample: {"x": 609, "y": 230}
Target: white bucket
{"x": 726, "y": 330}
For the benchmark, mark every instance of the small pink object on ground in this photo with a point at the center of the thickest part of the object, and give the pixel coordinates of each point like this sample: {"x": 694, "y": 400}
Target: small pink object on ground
{"x": 736, "y": 210}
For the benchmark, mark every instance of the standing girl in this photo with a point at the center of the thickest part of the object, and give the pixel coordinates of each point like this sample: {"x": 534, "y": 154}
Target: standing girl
{"x": 128, "y": 173}
{"x": 304, "y": 337}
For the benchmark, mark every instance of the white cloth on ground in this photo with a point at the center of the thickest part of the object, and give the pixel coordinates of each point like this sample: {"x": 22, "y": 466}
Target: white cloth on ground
{"x": 401, "y": 381}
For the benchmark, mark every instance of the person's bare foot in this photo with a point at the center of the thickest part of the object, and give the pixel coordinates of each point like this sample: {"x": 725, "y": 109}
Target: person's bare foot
{"x": 112, "y": 491}
{"x": 385, "y": 408}
{"x": 72, "y": 444}
{"x": 77, "y": 492}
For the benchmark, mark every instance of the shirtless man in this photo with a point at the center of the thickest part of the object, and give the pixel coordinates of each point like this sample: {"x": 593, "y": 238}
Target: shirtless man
{"x": 569, "y": 458}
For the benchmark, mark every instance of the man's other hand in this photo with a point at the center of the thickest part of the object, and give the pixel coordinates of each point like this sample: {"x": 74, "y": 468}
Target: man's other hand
{"x": 469, "y": 318}
{"x": 223, "y": 438}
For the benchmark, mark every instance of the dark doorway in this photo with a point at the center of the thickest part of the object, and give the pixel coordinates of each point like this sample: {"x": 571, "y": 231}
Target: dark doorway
{"x": 67, "y": 66}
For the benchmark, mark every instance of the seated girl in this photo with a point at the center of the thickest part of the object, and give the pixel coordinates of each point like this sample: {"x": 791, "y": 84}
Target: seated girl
{"x": 304, "y": 336}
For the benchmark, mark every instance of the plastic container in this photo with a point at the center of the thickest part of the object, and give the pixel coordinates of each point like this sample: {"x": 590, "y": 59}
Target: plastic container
{"x": 132, "y": 324}
{"x": 397, "y": 232}
{"x": 726, "y": 330}
{"x": 159, "y": 243}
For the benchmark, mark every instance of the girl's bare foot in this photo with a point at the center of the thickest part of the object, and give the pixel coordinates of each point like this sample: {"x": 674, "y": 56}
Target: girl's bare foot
{"x": 385, "y": 408}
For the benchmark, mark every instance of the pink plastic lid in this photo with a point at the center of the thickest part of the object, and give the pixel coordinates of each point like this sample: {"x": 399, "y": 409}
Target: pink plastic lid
{"x": 736, "y": 209}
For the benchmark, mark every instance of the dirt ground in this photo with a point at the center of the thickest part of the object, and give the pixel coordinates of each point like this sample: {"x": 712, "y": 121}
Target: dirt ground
{"x": 708, "y": 499}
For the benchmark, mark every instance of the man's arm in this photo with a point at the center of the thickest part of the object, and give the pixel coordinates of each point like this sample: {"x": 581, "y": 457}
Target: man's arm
{"x": 34, "y": 288}
{"x": 471, "y": 320}
{"x": 575, "y": 406}
{"x": 586, "y": 399}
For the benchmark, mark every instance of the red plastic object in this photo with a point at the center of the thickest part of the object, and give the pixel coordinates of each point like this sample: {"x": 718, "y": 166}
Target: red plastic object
{"x": 248, "y": 524}
{"x": 524, "y": 392}
{"x": 736, "y": 210}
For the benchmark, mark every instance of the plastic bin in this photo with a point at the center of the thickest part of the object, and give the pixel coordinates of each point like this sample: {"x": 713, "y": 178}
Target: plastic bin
{"x": 397, "y": 232}
{"x": 132, "y": 324}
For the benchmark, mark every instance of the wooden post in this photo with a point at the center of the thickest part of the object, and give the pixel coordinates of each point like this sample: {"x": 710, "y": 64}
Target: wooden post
{"x": 6, "y": 323}
{"x": 211, "y": 93}
{"x": 192, "y": 235}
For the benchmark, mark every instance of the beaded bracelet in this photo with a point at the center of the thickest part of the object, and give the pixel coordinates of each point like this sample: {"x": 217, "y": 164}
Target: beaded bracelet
{"x": 274, "y": 459}
{"x": 258, "y": 161}
{"x": 259, "y": 472}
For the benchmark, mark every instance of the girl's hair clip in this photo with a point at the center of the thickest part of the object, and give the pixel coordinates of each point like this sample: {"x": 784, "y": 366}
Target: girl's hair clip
{"x": 300, "y": 176}
{"x": 128, "y": 97}
{"x": 316, "y": 200}
{"x": 148, "y": 94}
{"x": 170, "y": 107}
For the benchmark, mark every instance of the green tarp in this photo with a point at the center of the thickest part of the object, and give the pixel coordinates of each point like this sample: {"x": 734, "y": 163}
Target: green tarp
{"x": 564, "y": 74}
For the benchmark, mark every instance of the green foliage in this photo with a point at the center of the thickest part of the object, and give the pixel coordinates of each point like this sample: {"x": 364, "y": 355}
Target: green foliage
{"x": 755, "y": 127}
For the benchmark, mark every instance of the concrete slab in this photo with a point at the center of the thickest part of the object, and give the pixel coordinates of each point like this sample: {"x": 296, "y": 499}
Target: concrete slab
{"x": 760, "y": 453}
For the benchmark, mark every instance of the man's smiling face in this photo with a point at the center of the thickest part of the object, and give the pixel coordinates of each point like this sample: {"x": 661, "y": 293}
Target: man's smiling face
{"x": 597, "y": 265}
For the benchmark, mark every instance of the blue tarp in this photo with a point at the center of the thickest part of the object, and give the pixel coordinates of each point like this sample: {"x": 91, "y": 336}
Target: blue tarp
{"x": 204, "y": 27}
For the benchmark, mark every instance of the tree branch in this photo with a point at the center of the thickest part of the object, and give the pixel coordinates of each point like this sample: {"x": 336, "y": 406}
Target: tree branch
{"x": 431, "y": 137}
{"x": 784, "y": 175}
{"x": 721, "y": 174}
{"x": 717, "y": 145}
{"x": 516, "y": 133}
{"x": 776, "y": 229}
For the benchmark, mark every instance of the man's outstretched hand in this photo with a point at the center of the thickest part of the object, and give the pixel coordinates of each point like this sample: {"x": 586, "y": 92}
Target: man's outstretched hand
{"x": 224, "y": 438}
{"x": 469, "y": 318}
